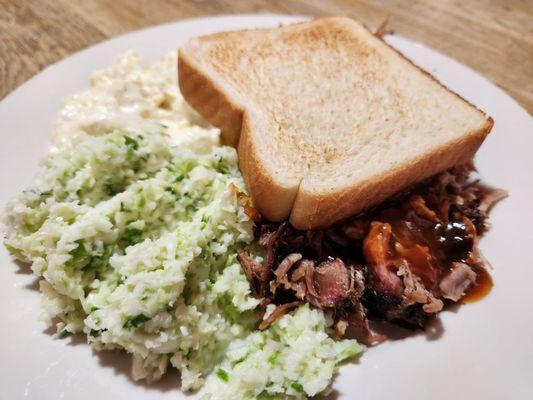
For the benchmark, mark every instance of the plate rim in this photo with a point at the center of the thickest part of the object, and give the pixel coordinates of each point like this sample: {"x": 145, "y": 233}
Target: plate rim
{"x": 14, "y": 93}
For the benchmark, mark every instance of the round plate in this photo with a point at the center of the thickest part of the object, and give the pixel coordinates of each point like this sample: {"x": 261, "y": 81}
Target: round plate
{"x": 482, "y": 350}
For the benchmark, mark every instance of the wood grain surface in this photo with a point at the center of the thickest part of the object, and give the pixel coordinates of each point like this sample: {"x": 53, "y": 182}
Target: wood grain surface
{"x": 494, "y": 37}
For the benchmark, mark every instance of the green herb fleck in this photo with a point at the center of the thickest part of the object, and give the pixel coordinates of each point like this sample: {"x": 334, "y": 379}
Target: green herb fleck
{"x": 95, "y": 333}
{"x": 182, "y": 169}
{"x": 273, "y": 357}
{"x": 275, "y": 335}
{"x": 102, "y": 260}
{"x": 79, "y": 254}
{"x": 240, "y": 360}
{"x": 170, "y": 189}
{"x": 112, "y": 189}
{"x": 222, "y": 168}
{"x": 223, "y": 375}
{"x": 297, "y": 386}
{"x": 132, "y": 236}
{"x": 136, "y": 321}
{"x": 131, "y": 143}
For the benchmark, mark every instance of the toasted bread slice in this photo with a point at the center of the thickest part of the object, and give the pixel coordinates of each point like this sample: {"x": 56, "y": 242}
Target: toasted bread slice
{"x": 328, "y": 120}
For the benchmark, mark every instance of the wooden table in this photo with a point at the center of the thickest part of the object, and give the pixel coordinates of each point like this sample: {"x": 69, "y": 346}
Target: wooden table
{"x": 495, "y": 37}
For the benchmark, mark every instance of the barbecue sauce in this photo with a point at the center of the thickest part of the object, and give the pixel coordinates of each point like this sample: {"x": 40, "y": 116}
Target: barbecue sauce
{"x": 430, "y": 248}
{"x": 480, "y": 288}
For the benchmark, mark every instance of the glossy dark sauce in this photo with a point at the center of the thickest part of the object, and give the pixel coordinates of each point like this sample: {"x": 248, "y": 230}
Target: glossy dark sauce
{"x": 430, "y": 248}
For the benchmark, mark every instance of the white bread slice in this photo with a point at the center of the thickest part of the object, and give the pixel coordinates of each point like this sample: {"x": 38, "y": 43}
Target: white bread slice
{"x": 328, "y": 120}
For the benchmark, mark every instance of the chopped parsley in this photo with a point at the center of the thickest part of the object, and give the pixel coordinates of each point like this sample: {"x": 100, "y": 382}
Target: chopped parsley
{"x": 273, "y": 357}
{"x": 100, "y": 261}
{"x": 95, "y": 333}
{"x": 132, "y": 236}
{"x": 79, "y": 254}
{"x": 297, "y": 386}
{"x": 222, "y": 375}
{"x": 173, "y": 191}
{"x": 112, "y": 189}
{"x": 205, "y": 220}
{"x": 240, "y": 360}
{"x": 131, "y": 143}
{"x": 136, "y": 321}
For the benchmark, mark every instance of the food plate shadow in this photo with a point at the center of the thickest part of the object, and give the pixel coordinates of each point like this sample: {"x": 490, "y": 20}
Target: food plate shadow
{"x": 333, "y": 395}
{"x": 433, "y": 330}
{"x": 121, "y": 363}
{"x": 23, "y": 268}
{"x": 33, "y": 285}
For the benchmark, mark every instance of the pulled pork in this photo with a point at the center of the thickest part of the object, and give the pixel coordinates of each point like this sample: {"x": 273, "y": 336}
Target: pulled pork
{"x": 400, "y": 262}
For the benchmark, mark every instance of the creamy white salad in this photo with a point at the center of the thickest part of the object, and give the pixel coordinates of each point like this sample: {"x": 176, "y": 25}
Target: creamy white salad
{"x": 133, "y": 224}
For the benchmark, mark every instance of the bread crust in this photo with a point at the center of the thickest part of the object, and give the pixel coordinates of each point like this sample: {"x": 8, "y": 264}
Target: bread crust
{"x": 222, "y": 108}
{"x": 209, "y": 99}
{"x": 318, "y": 211}
{"x": 273, "y": 199}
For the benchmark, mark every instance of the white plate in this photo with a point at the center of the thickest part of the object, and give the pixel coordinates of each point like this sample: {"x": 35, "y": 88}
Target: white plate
{"x": 485, "y": 349}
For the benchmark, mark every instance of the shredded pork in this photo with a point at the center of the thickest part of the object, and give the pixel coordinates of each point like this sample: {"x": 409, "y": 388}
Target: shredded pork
{"x": 401, "y": 262}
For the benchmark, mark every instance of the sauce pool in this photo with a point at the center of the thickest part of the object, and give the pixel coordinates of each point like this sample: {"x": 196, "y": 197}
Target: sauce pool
{"x": 480, "y": 289}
